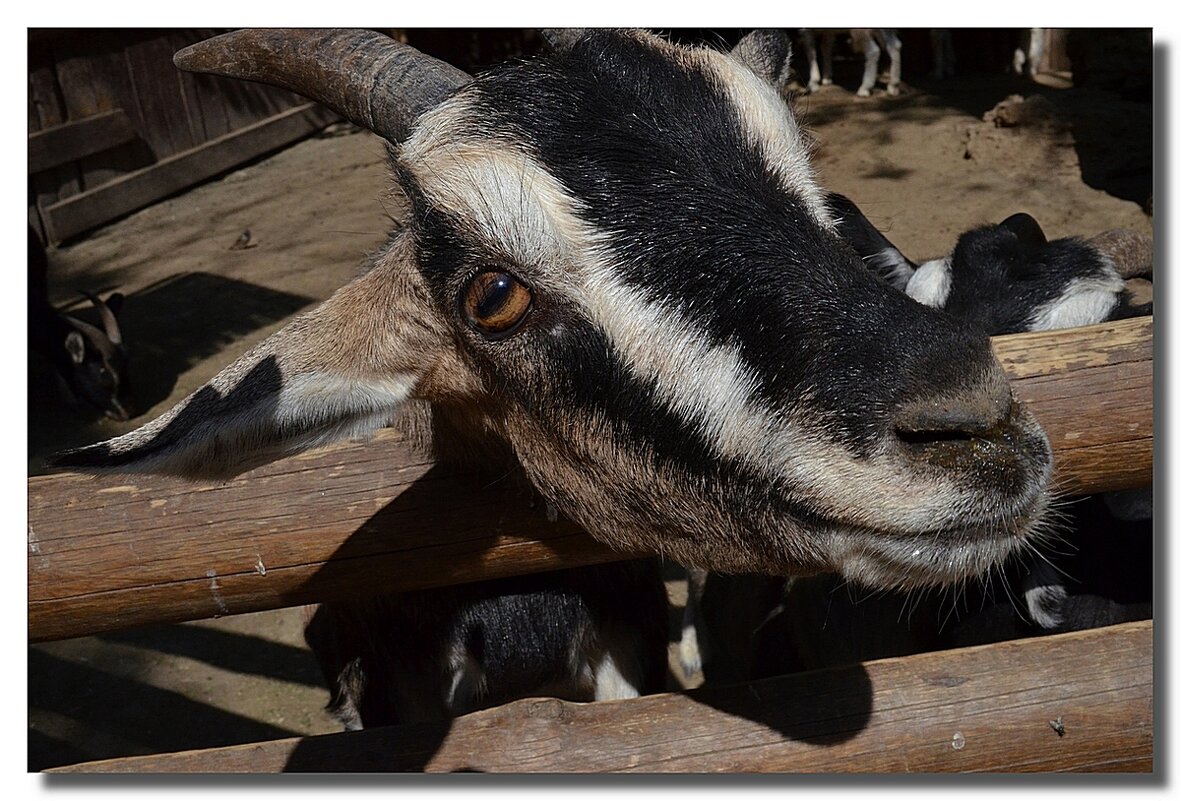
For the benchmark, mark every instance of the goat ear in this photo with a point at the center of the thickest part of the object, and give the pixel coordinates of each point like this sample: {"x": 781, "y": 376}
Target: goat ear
{"x": 879, "y": 255}
{"x": 1025, "y": 228}
{"x": 339, "y": 370}
{"x": 76, "y": 346}
{"x": 561, "y": 39}
{"x": 767, "y": 53}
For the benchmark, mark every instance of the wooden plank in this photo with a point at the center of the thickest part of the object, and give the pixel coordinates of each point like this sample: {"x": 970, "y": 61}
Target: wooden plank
{"x": 113, "y": 552}
{"x": 1052, "y": 353}
{"x": 130, "y": 192}
{"x": 92, "y": 73}
{"x": 47, "y": 111}
{"x": 61, "y": 144}
{"x": 1091, "y": 388}
{"x": 110, "y": 552}
{"x": 161, "y": 103}
{"x": 982, "y": 709}
{"x": 206, "y": 120}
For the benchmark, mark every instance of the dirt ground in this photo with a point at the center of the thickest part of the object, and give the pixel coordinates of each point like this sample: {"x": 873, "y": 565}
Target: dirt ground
{"x": 924, "y": 167}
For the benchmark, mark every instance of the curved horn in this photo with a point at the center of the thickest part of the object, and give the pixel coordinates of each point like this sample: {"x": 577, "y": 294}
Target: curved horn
{"x": 1131, "y": 252}
{"x": 363, "y": 75}
{"x": 95, "y": 337}
{"x": 110, "y": 324}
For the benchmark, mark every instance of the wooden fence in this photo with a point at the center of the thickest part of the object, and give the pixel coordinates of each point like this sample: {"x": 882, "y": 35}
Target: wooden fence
{"x": 114, "y": 126}
{"x": 117, "y": 551}
{"x": 987, "y": 708}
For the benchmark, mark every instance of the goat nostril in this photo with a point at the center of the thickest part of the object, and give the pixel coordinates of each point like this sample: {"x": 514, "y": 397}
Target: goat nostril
{"x": 926, "y": 425}
{"x": 932, "y": 436}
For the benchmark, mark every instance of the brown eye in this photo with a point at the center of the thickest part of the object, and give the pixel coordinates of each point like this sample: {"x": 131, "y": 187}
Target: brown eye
{"x": 494, "y": 302}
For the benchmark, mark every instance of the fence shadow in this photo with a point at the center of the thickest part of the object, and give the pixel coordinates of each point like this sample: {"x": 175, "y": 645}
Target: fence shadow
{"x": 78, "y": 712}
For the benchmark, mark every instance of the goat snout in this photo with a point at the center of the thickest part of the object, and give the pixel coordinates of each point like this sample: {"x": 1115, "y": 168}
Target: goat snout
{"x": 955, "y": 419}
{"x": 960, "y": 417}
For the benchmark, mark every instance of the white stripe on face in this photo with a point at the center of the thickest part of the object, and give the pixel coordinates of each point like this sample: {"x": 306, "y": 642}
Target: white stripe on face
{"x": 511, "y": 202}
{"x": 770, "y": 129}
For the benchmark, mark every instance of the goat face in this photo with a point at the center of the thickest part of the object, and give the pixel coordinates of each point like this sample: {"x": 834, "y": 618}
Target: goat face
{"x": 96, "y": 371}
{"x": 618, "y": 263}
{"x": 90, "y": 361}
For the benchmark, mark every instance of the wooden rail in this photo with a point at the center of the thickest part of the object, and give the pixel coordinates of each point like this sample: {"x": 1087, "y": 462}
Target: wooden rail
{"x": 1070, "y": 702}
{"x": 134, "y": 190}
{"x": 118, "y": 551}
{"x": 61, "y": 144}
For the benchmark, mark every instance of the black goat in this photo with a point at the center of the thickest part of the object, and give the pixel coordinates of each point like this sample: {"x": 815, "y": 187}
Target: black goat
{"x": 91, "y": 362}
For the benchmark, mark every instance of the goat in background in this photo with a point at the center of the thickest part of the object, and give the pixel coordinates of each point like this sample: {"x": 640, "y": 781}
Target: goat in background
{"x": 1003, "y": 278}
{"x": 869, "y": 42}
{"x": 90, "y": 363}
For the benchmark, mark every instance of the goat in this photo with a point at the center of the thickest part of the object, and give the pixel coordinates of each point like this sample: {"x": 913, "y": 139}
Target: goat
{"x": 1003, "y": 278}
{"x": 1008, "y": 278}
{"x": 1027, "y": 56}
{"x": 746, "y": 627}
{"x": 91, "y": 363}
{"x": 619, "y": 276}
{"x": 582, "y": 634}
{"x": 867, "y": 41}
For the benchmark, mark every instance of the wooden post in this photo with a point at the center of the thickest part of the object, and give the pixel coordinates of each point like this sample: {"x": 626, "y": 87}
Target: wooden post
{"x": 1070, "y": 702}
{"x": 112, "y": 552}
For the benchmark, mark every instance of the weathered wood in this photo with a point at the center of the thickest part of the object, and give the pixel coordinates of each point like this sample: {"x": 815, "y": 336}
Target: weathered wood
{"x": 46, "y": 111}
{"x": 166, "y": 126}
{"x": 135, "y": 190}
{"x": 1091, "y": 388}
{"x": 93, "y": 78}
{"x": 982, "y": 709}
{"x": 112, "y": 552}
{"x": 117, "y": 551}
{"x": 61, "y": 144}
{"x": 79, "y": 74}
{"x": 206, "y": 115}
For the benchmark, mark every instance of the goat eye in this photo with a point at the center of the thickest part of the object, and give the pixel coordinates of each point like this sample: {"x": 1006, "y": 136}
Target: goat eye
{"x": 495, "y": 302}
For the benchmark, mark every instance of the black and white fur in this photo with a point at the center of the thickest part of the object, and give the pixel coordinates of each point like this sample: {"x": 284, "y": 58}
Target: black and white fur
{"x": 1009, "y": 278}
{"x": 584, "y": 634}
{"x": 1002, "y": 279}
{"x": 1031, "y": 48}
{"x": 1005, "y": 278}
{"x": 620, "y": 276}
